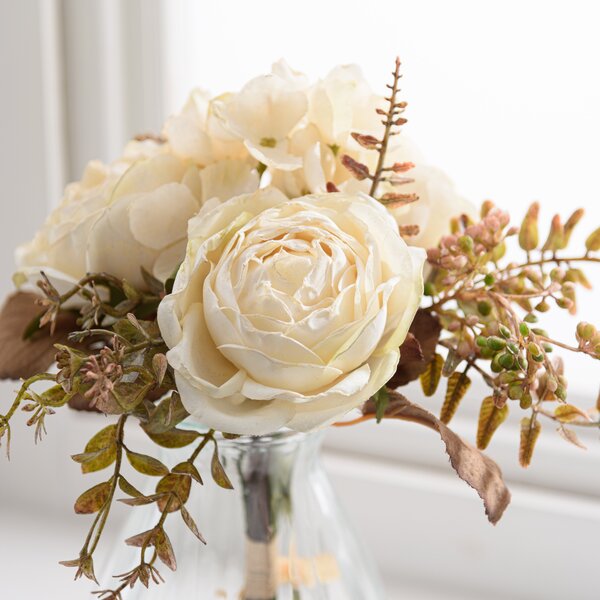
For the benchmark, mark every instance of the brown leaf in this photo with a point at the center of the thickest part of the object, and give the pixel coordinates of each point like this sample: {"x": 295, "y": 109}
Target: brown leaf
{"x": 164, "y": 549}
{"x": 218, "y": 472}
{"x": 189, "y": 521}
{"x": 418, "y": 349}
{"x": 430, "y": 378}
{"x": 145, "y": 538}
{"x": 490, "y": 418}
{"x": 142, "y": 500}
{"x": 570, "y": 436}
{"x": 530, "y": 431}
{"x": 471, "y": 465}
{"x": 24, "y": 358}
{"x": 92, "y": 500}
{"x": 458, "y": 384}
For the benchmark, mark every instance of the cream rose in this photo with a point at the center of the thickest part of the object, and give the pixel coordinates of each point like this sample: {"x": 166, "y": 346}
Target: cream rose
{"x": 288, "y": 312}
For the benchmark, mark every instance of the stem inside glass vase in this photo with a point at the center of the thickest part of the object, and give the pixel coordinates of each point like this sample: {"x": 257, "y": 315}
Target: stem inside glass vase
{"x": 265, "y": 475}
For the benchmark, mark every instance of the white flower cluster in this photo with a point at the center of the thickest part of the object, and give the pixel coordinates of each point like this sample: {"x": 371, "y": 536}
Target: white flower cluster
{"x": 291, "y": 302}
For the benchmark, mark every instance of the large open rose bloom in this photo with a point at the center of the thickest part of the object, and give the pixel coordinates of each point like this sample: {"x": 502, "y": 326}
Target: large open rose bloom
{"x": 288, "y": 313}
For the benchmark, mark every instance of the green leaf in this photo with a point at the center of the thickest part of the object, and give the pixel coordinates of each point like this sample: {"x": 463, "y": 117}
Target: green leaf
{"x": 174, "y": 438}
{"x": 176, "y": 490}
{"x": 458, "y": 384}
{"x": 164, "y": 549}
{"x": 166, "y": 415}
{"x": 530, "y": 431}
{"x": 430, "y": 378}
{"x": 189, "y": 521}
{"x": 130, "y": 394}
{"x": 147, "y": 465}
{"x": 381, "y": 400}
{"x": 55, "y": 396}
{"x": 218, "y": 472}
{"x": 93, "y": 500}
{"x": 490, "y": 418}
{"x": 188, "y": 468}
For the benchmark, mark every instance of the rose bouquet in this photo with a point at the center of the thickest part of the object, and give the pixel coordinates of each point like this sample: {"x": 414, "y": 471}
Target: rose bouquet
{"x": 280, "y": 259}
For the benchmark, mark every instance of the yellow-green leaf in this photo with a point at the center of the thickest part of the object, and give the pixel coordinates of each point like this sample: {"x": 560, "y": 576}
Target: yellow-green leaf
{"x": 490, "y": 418}
{"x": 100, "y": 452}
{"x": 592, "y": 243}
{"x": 528, "y": 232}
{"x": 93, "y": 500}
{"x": 458, "y": 384}
{"x": 147, "y": 465}
{"x": 430, "y": 378}
{"x": 566, "y": 413}
{"x": 174, "y": 438}
{"x": 530, "y": 431}
{"x": 188, "y": 468}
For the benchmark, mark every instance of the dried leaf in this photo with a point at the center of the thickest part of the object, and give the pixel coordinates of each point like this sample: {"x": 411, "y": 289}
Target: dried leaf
{"x": 174, "y": 438}
{"x": 93, "y": 500}
{"x": 458, "y": 384}
{"x": 164, "y": 549}
{"x": 159, "y": 365}
{"x": 147, "y": 465}
{"x": 128, "y": 489}
{"x": 570, "y": 436}
{"x": 176, "y": 490}
{"x": 188, "y": 468}
{"x": 26, "y": 357}
{"x": 490, "y": 418}
{"x": 592, "y": 243}
{"x": 471, "y": 465}
{"x": 424, "y": 331}
{"x": 567, "y": 413}
{"x": 146, "y": 538}
{"x": 218, "y": 472}
{"x": 530, "y": 431}
{"x": 430, "y": 378}
{"x": 357, "y": 169}
{"x": 528, "y": 232}
{"x": 142, "y": 500}
{"x": 189, "y": 521}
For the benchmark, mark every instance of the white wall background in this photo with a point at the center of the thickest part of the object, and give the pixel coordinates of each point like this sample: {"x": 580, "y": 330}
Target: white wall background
{"x": 503, "y": 96}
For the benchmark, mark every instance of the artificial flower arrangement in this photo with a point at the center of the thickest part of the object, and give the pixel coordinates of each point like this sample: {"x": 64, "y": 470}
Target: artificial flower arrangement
{"x": 279, "y": 258}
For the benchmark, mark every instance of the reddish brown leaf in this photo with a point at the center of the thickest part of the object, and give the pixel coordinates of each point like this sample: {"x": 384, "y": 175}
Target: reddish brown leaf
{"x": 93, "y": 500}
{"x": 189, "y": 521}
{"x": 24, "y": 358}
{"x": 176, "y": 490}
{"x": 218, "y": 472}
{"x": 418, "y": 349}
{"x": 471, "y": 465}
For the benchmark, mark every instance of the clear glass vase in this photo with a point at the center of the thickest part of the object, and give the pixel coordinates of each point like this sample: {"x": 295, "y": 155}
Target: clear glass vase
{"x": 278, "y": 535}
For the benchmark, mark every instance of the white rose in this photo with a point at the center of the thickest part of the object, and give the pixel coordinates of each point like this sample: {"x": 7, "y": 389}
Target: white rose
{"x": 196, "y": 133}
{"x": 288, "y": 312}
{"x": 263, "y": 115}
{"x": 59, "y": 248}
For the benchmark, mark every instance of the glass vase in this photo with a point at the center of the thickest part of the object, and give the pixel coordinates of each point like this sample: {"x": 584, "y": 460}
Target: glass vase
{"x": 278, "y": 535}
